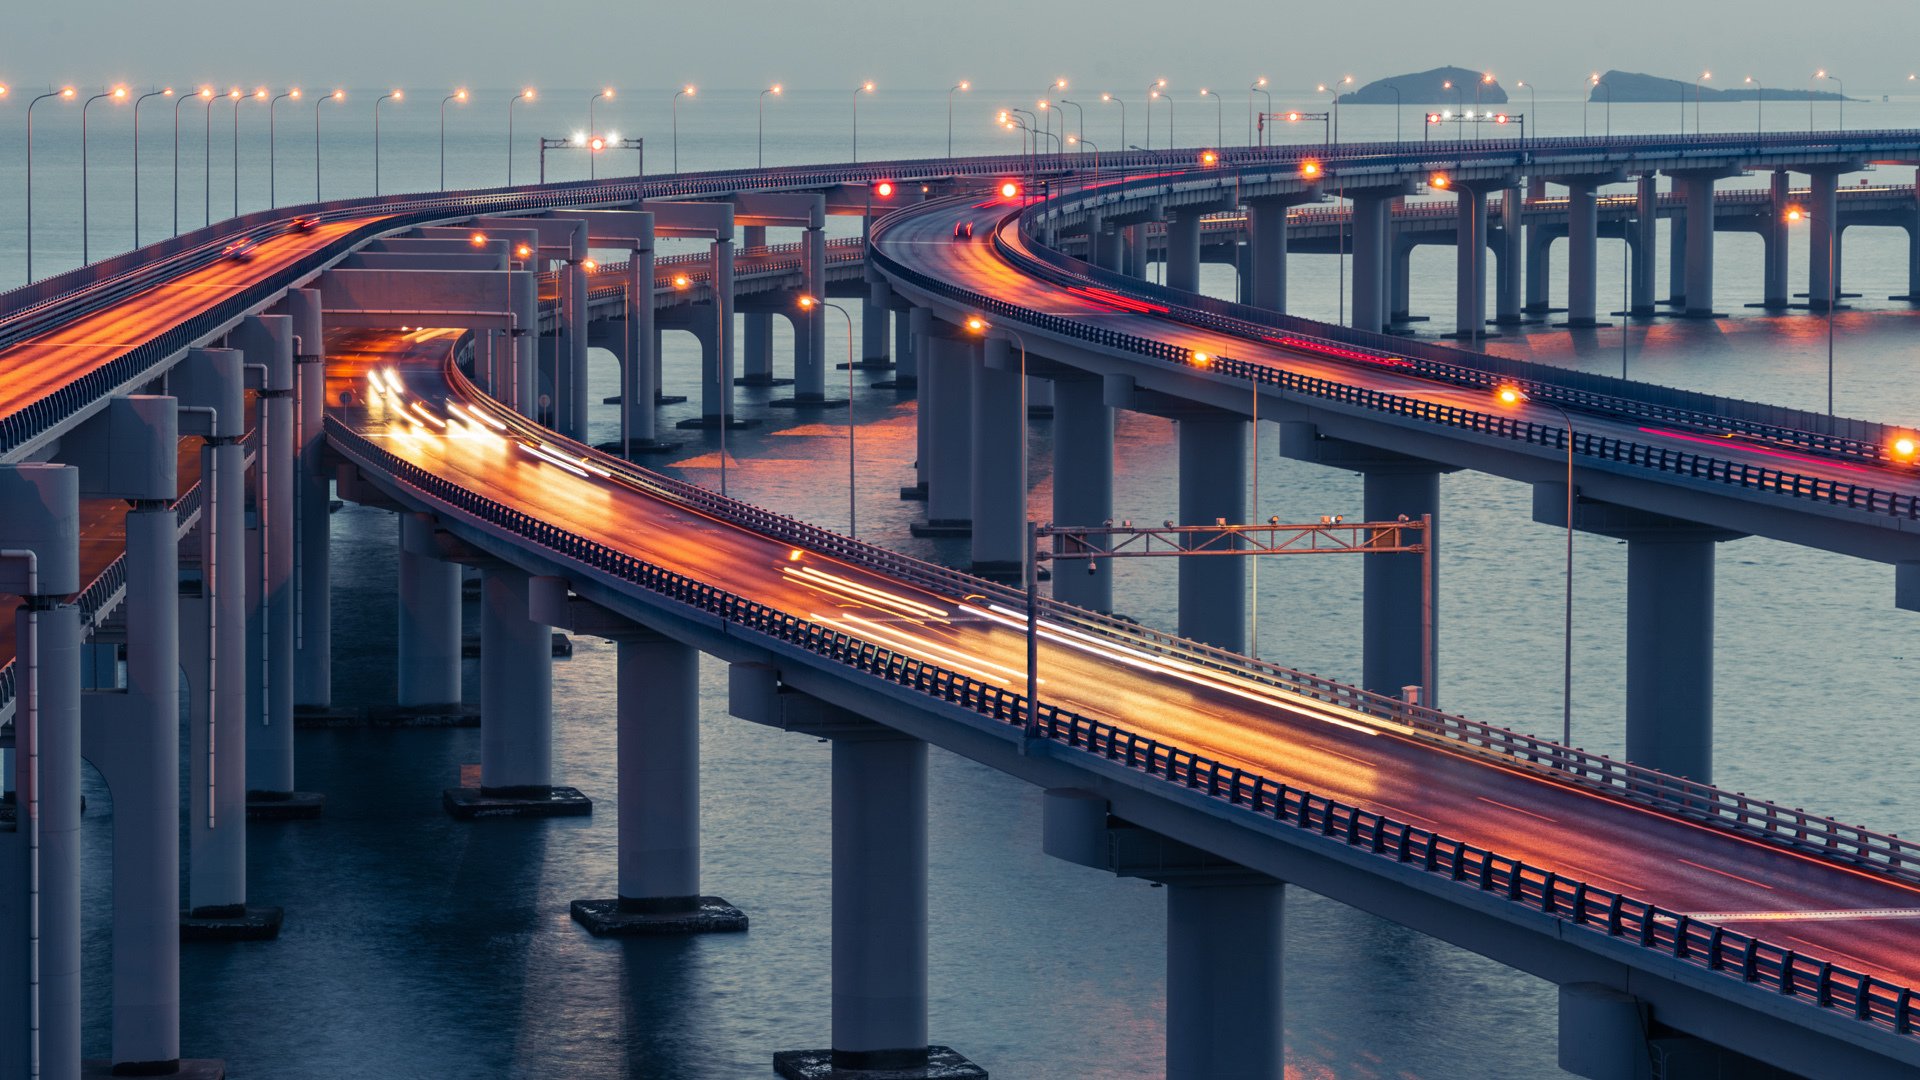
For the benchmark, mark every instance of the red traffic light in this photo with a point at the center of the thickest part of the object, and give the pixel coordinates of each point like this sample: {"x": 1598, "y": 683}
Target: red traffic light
{"x": 1009, "y": 189}
{"x": 1293, "y": 118}
{"x": 883, "y": 189}
{"x": 1500, "y": 118}
{"x": 1433, "y": 118}
{"x": 598, "y": 143}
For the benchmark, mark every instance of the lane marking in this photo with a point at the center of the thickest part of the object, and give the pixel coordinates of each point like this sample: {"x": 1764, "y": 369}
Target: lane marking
{"x": 1808, "y": 916}
{"x": 1517, "y": 810}
{"x": 1724, "y": 873}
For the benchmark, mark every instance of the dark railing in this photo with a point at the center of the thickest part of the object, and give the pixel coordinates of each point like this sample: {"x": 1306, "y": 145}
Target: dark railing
{"x": 1585, "y": 907}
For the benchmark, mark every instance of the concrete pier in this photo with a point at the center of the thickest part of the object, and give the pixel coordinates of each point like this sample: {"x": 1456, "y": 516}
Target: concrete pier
{"x": 1775, "y": 234}
{"x": 40, "y": 891}
{"x": 1213, "y": 487}
{"x": 1508, "y": 292}
{"x": 1823, "y": 262}
{"x": 1370, "y": 262}
{"x": 1646, "y": 226}
{"x": 1267, "y": 253}
{"x": 1470, "y": 263}
{"x": 573, "y": 307}
{"x": 1183, "y": 249}
{"x": 1698, "y": 189}
{"x": 429, "y": 637}
{"x": 1393, "y": 653}
{"x": 756, "y": 327}
{"x": 810, "y": 331}
{"x": 1583, "y": 249}
{"x": 946, "y": 403}
{"x": 313, "y": 604}
{"x": 1082, "y": 485}
{"x": 268, "y": 341}
{"x": 1539, "y": 254}
{"x": 999, "y": 481}
{"x": 875, "y": 313}
{"x": 1670, "y": 653}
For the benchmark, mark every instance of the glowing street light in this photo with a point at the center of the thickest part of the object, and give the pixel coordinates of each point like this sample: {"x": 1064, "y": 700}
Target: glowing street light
{"x": 593, "y": 128}
{"x": 811, "y": 306}
{"x": 1123, "y": 117}
{"x": 1704, "y": 76}
{"x": 118, "y": 94}
{"x": 1333, "y": 91}
{"x": 460, "y": 96}
{"x": 259, "y": 94}
{"x": 205, "y": 93}
{"x": 337, "y": 96}
{"x": 863, "y": 88}
{"x": 396, "y": 95}
{"x": 1259, "y": 86}
{"x": 1153, "y": 93}
{"x": 65, "y": 93}
{"x": 273, "y": 172}
{"x": 1598, "y": 84}
{"x": 1057, "y": 84}
{"x": 524, "y": 95}
{"x": 685, "y": 91}
{"x": 760, "y": 140}
{"x": 960, "y": 87}
{"x": 1219, "y": 117}
{"x": 1759, "y": 105}
{"x": 168, "y": 92}
{"x": 1511, "y": 397}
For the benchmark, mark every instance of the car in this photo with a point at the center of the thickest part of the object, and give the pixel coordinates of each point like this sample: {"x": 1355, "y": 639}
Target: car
{"x": 963, "y": 230}
{"x": 238, "y": 251}
{"x": 303, "y": 223}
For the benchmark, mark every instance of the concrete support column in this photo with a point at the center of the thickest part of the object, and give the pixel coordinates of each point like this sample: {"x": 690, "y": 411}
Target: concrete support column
{"x": 1913, "y": 262}
{"x": 40, "y": 890}
{"x": 429, "y": 632}
{"x": 906, "y": 369}
{"x": 1677, "y": 258}
{"x": 716, "y": 382}
{"x": 570, "y": 397}
{"x": 1224, "y": 963}
{"x": 1470, "y": 263}
{"x": 313, "y": 604}
{"x": 1213, "y": 486}
{"x": 879, "y": 901}
{"x": 1133, "y": 250}
{"x": 1539, "y": 252}
{"x": 1082, "y": 485}
{"x": 1508, "y": 299}
{"x": 1267, "y": 253}
{"x": 920, "y": 324}
{"x": 947, "y": 401}
{"x": 1603, "y": 1033}
{"x": 639, "y": 365}
{"x": 810, "y": 333}
{"x": 1670, "y": 655}
{"x": 1183, "y": 250}
{"x": 1399, "y": 278}
{"x": 1775, "y": 293}
{"x": 659, "y": 762}
{"x": 756, "y": 327}
{"x": 875, "y": 311}
{"x": 516, "y": 689}
{"x": 1370, "y": 262}
{"x": 1647, "y": 224}
{"x": 1583, "y": 246}
{"x": 1699, "y": 191}
{"x": 1393, "y": 647}
{"x": 1109, "y": 249}
{"x": 268, "y": 340}
{"x": 999, "y": 503}
{"x": 1822, "y": 239}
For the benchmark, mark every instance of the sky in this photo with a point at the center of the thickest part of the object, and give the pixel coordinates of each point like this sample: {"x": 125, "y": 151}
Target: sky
{"x": 912, "y": 44}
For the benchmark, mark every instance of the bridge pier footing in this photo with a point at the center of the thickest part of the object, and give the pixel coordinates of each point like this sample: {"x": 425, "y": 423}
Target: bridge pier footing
{"x": 516, "y": 711}
{"x": 1213, "y": 487}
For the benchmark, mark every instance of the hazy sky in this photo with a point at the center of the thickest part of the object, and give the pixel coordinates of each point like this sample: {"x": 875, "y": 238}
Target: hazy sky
{"x": 912, "y": 44}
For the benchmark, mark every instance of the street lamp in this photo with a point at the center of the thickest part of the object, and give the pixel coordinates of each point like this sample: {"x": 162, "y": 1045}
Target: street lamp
{"x": 809, "y": 304}
{"x": 1841, "y": 120}
{"x": 206, "y": 165}
{"x": 396, "y": 95}
{"x": 460, "y": 96}
{"x": 259, "y": 94}
{"x": 1759, "y": 106}
{"x": 1153, "y": 91}
{"x": 65, "y": 93}
{"x": 1704, "y": 76}
{"x": 205, "y": 93}
{"x": 1533, "y": 100}
{"x": 1259, "y": 86}
{"x": 1123, "y": 117}
{"x": 1397, "y": 103}
{"x": 1334, "y": 92}
{"x": 760, "y": 141}
{"x": 977, "y": 325}
{"x": 1057, "y": 84}
{"x": 863, "y": 88}
{"x": 1096, "y": 152}
{"x": 1598, "y": 84}
{"x": 1512, "y": 396}
{"x": 527, "y": 95}
{"x": 168, "y": 92}
{"x": 685, "y": 91}
{"x": 117, "y": 94}
{"x": 273, "y": 193}
{"x": 593, "y": 130}
{"x": 1794, "y": 216}
{"x": 1219, "y": 117}
{"x": 962, "y": 85}
{"x": 337, "y": 95}
{"x": 1079, "y": 119}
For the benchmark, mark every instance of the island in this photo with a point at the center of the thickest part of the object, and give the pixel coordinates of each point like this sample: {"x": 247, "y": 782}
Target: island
{"x": 1624, "y": 86}
{"x": 1441, "y": 86}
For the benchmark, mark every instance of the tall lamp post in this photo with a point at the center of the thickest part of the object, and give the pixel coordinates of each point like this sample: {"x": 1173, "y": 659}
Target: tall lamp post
{"x": 205, "y": 93}
{"x": 960, "y": 87}
{"x": 1704, "y": 76}
{"x": 460, "y": 96}
{"x": 1794, "y": 216}
{"x": 1123, "y": 117}
{"x": 1153, "y": 91}
{"x": 809, "y": 304}
{"x": 1397, "y": 103}
{"x": 1057, "y": 84}
{"x": 1841, "y": 119}
{"x": 1079, "y": 119}
{"x": 1259, "y": 86}
{"x": 337, "y": 95}
{"x": 259, "y": 94}
{"x": 1759, "y": 106}
{"x": 1533, "y": 99}
{"x": 273, "y": 172}
{"x": 524, "y": 95}
{"x": 65, "y": 93}
{"x": 206, "y": 166}
{"x": 1598, "y": 84}
{"x": 685, "y": 91}
{"x": 1219, "y": 117}
{"x": 593, "y": 131}
{"x": 760, "y": 140}
{"x": 168, "y": 92}
{"x": 1333, "y": 90}
{"x": 977, "y": 325}
{"x": 117, "y": 94}
{"x": 863, "y": 88}
{"x": 396, "y": 95}
{"x": 1511, "y": 396}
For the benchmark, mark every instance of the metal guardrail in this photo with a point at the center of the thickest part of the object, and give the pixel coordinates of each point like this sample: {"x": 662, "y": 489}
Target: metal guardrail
{"x": 1749, "y": 958}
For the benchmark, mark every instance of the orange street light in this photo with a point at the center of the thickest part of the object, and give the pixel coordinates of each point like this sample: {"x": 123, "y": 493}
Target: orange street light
{"x": 960, "y": 87}
{"x": 479, "y": 238}
{"x": 1201, "y": 359}
{"x": 1440, "y": 181}
{"x": 1905, "y": 447}
{"x": 589, "y": 265}
{"x": 682, "y": 281}
{"x": 760, "y": 139}
{"x": 524, "y": 251}
{"x": 524, "y": 95}
{"x": 395, "y": 95}
{"x": 1310, "y": 169}
{"x": 65, "y": 93}
{"x": 1209, "y": 157}
{"x": 593, "y": 126}
{"x": 117, "y": 95}
{"x": 460, "y": 96}
{"x": 863, "y": 88}
{"x": 1009, "y": 189}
